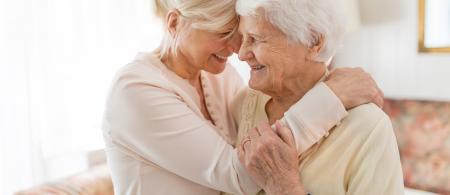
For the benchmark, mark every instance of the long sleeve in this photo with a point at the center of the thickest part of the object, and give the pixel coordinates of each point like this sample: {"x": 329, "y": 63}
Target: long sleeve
{"x": 376, "y": 168}
{"x": 313, "y": 116}
{"x": 157, "y": 125}
{"x": 310, "y": 119}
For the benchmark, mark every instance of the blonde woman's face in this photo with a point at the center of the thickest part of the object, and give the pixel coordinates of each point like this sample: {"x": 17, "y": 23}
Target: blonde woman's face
{"x": 209, "y": 50}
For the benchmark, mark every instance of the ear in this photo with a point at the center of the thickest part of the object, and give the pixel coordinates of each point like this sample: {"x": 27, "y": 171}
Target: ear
{"x": 317, "y": 47}
{"x": 172, "y": 21}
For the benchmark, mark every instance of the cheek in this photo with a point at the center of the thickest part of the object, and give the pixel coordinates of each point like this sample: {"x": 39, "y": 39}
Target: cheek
{"x": 211, "y": 48}
{"x": 216, "y": 45}
{"x": 205, "y": 46}
{"x": 266, "y": 79}
{"x": 277, "y": 77}
{"x": 277, "y": 70}
{"x": 262, "y": 55}
{"x": 271, "y": 60}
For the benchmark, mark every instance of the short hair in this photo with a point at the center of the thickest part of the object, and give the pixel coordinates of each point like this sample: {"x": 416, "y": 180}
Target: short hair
{"x": 302, "y": 21}
{"x": 211, "y": 15}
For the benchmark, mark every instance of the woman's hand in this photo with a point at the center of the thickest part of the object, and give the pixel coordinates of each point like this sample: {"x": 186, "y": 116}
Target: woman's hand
{"x": 271, "y": 159}
{"x": 354, "y": 87}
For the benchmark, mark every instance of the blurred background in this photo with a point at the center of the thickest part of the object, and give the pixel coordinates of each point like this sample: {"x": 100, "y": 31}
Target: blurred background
{"x": 57, "y": 58}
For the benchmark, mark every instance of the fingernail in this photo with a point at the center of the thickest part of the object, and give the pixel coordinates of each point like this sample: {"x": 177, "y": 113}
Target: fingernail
{"x": 278, "y": 124}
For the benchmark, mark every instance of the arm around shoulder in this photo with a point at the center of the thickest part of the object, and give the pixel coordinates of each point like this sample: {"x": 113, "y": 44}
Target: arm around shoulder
{"x": 313, "y": 116}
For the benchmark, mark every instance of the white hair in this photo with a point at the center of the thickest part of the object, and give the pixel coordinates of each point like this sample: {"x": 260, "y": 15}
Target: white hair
{"x": 302, "y": 21}
{"x": 211, "y": 15}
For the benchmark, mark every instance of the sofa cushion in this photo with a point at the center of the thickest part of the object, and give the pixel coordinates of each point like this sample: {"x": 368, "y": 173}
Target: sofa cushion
{"x": 95, "y": 181}
{"x": 423, "y": 133}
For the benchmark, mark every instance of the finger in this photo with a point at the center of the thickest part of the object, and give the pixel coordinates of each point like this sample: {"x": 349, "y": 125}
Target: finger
{"x": 285, "y": 134}
{"x": 332, "y": 71}
{"x": 378, "y": 100}
{"x": 381, "y": 92}
{"x": 241, "y": 154}
{"x": 264, "y": 128}
{"x": 381, "y": 96}
{"x": 378, "y": 96}
{"x": 254, "y": 134}
{"x": 246, "y": 144}
{"x": 359, "y": 69}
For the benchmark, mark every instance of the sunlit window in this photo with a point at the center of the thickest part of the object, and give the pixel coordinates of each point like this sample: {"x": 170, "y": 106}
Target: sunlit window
{"x": 57, "y": 59}
{"x": 437, "y": 23}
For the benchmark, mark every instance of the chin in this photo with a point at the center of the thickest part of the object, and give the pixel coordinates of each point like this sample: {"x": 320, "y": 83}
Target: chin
{"x": 216, "y": 69}
{"x": 261, "y": 83}
{"x": 255, "y": 85}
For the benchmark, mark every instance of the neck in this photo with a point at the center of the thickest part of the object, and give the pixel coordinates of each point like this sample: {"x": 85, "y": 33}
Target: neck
{"x": 180, "y": 66}
{"x": 292, "y": 92}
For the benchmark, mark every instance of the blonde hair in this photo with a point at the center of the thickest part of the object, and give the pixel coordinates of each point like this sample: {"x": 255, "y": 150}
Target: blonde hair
{"x": 210, "y": 15}
{"x": 302, "y": 21}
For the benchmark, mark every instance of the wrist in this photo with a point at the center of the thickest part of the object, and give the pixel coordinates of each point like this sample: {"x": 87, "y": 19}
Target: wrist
{"x": 289, "y": 187}
{"x": 341, "y": 97}
{"x": 298, "y": 190}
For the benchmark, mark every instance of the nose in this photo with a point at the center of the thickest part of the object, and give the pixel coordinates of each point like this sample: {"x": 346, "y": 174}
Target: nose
{"x": 234, "y": 43}
{"x": 244, "y": 52}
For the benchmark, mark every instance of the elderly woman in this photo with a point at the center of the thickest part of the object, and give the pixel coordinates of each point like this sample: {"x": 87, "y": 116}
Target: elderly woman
{"x": 168, "y": 126}
{"x": 286, "y": 43}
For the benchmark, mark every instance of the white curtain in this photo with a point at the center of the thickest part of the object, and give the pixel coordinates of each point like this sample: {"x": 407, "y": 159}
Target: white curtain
{"x": 57, "y": 58}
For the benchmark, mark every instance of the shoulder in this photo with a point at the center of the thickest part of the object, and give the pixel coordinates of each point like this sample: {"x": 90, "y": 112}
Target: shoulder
{"x": 145, "y": 65}
{"x": 145, "y": 70}
{"x": 142, "y": 80}
{"x": 367, "y": 114}
{"x": 364, "y": 121}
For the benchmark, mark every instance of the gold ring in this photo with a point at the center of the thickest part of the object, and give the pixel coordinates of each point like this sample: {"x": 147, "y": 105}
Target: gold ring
{"x": 247, "y": 139}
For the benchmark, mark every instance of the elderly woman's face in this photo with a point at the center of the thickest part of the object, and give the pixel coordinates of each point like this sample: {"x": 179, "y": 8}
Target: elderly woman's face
{"x": 273, "y": 59}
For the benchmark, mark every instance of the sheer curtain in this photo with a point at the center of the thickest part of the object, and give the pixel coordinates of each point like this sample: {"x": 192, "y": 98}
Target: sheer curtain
{"x": 57, "y": 58}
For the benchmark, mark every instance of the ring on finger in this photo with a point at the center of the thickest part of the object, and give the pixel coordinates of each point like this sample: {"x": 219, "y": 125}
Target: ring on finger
{"x": 247, "y": 139}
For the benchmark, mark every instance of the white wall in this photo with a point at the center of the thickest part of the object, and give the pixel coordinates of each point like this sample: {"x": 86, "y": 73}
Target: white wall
{"x": 386, "y": 46}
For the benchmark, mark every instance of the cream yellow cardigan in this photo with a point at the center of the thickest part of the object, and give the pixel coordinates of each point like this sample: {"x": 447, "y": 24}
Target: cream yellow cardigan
{"x": 359, "y": 157}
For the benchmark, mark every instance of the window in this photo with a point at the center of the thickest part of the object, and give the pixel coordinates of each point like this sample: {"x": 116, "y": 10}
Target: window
{"x": 57, "y": 58}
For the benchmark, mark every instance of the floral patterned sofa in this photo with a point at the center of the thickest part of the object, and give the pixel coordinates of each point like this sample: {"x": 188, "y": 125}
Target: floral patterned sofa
{"x": 423, "y": 133}
{"x": 94, "y": 181}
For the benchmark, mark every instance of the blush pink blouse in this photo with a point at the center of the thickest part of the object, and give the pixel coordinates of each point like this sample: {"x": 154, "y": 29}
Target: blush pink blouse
{"x": 158, "y": 141}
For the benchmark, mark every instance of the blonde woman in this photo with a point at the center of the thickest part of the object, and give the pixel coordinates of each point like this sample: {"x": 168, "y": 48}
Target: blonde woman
{"x": 168, "y": 127}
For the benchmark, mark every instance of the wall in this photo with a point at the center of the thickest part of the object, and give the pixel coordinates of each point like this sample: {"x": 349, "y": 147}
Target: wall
{"x": 386, "y": 46}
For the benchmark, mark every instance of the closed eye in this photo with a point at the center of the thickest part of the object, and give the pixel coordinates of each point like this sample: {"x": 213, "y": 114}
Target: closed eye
{"x": 252, "y": 38}
{"x": 225, "y": 34}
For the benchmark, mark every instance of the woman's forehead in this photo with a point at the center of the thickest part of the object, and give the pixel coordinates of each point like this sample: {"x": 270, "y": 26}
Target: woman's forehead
{"x": 230, "y": 26}
{"x": 254, "y": 25}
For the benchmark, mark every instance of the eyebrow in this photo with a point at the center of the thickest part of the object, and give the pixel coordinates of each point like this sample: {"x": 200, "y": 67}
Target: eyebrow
{"x": 227, "y": 29}
{"x": 256, "y": 35}
{"x": 250, "y": 32}
{"x": 224, "y": 30}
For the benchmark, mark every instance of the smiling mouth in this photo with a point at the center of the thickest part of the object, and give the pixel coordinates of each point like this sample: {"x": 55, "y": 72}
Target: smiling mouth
{"x": 220, "y": 57}
{"x": 257, "y": 67}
